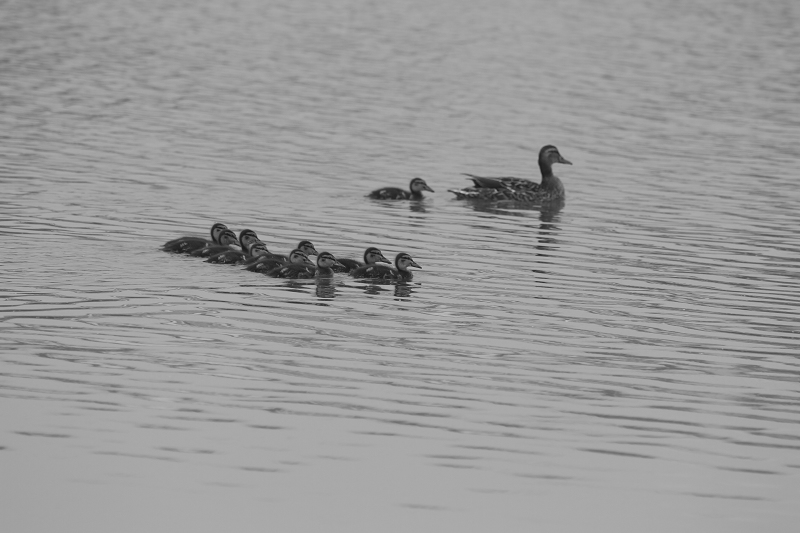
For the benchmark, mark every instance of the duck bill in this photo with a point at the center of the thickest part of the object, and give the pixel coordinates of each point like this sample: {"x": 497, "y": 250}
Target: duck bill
{"x": 383, "y": 260}
{"x": 312, "y": 251}
{"x": 414, "y": 264}
{"x": 337, "y": 263}
{"x": 563, "y": 161}
{"x": 427, "y": 188}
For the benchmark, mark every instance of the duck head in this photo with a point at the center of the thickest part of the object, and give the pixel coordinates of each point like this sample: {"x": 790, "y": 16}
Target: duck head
{"x": 299, "y": 257}
{"x": 227, "y": 237}
{"x": 418, "y": 185}
{"x": 403, "y": 261}
{"x": 258, "y": 248}
{"x": 372, "y": 255}
{"x": 307, "y": 248}
{"x": 248, "y": 238}
{"x": 327, "y": 260}
{"x": 216, "y": 229}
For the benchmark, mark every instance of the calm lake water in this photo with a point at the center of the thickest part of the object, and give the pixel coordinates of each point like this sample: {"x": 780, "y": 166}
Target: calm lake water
{"x": 627, "y": 363}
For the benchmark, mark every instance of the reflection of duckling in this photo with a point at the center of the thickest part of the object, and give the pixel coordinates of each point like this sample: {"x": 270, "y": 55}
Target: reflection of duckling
{"x": 236, "y": 257}
{"x": 519, "y": 189}
{"x": 269, "y": 263}
{"x": 226, "y": 239}
{"x": 185, "y": 245}
{"x": 416, "y": 187}
{"x": 325, "y": 262}
{"x": 400, "y": 272}
{"x": 371, "y": 256}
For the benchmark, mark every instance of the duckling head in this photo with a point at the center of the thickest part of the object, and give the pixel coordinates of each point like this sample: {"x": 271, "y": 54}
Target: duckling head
{"x": 216, "y": 229}
{"x": 247, "y": 238}
{"x": 227, "y": 237}
{"x": 327, "y": 260}
{"x": 307, "y": 248}
{"x": 299, "y": 257}
{"x": 403, "y": 261}
{"x": 418, "y": 185}
{"x": 373, "y": 255}
{"x": 258, "y": 248}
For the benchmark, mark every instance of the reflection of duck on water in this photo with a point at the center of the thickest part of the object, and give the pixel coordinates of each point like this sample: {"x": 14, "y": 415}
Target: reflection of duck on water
{"x": 518, "y": 189}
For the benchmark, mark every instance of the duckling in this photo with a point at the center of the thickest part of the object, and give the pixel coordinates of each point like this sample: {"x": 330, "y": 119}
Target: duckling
{"x": 325, "y": 262}
{"x": 519, "y": 189}
{"x": 416, "y": 187}
{"x": 237, "y": 257}
{"x": 371, "y": 256}
{"x": 296, "y": 257}
{"x": 399, "y": 273}
{"x": 186, "y": 245}
{"x": 226, "y": 239}
{"x": 247, "y": 238}
{"x": 304, "y": 246}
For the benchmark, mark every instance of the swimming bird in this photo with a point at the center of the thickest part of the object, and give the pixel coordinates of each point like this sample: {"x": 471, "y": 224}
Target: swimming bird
{"x": 226, "y": 239}
{"x": 186, "y": 245}
{"x": 416, "y": 187}
{"x": 371, "y": 256}
{"x": 325, "y": 262}
{"x": 519, "y": 189}
{"x": 399, "y": 273}
{"x": 304, "y": 246}
{"x": 267, "y": 263}
{"x": 236, "y": 257}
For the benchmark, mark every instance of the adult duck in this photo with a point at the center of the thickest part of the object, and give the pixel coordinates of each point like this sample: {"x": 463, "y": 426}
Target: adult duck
{"x": 371, "y": 256}
{"x": 187, "y": 245}
{"x": 400, "y": 271}
{"x": 416, "y": 187}
{"x": 518, "y": 189}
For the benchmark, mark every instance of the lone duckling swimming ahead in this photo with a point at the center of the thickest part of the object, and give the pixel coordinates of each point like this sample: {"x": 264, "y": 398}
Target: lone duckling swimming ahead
{"x": 416, "y": 187}
{"x": 519, "y": 189}
{"x": 187, "y": 245}
{"x": 399, "y": 273}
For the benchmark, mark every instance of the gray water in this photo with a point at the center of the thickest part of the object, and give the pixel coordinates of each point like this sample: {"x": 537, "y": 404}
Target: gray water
{"x": 626, "y": 363}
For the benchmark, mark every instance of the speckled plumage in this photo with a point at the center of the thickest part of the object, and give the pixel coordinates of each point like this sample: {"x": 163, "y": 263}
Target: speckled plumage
{"x": 518, "y": 189}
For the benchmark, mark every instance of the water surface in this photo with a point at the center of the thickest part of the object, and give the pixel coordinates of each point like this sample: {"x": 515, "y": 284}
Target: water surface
{"x": 626, "y": 363}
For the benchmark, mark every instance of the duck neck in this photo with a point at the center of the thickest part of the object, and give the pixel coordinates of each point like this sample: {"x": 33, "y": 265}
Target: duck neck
{"x": 549, "y": 180}
{"x": 324, "y": 272}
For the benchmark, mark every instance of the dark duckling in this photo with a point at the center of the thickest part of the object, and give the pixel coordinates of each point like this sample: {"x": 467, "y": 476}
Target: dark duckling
{"x": 324, "y": 269}
{"x": 304, "y": 246}
{"x": 296, "y": 257}
{"x": 237, "y": 257}
{"x": 399, "y": 273}
{"x": 226, "y": 239}
{"x": 518, "y": 189}
{"x": 371, "y": 256}
{"x": 187, "y": 245}
{"x": 416, "y": 187}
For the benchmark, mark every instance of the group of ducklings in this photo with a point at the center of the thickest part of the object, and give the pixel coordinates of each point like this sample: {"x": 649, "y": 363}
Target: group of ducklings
{"x": 248, "y": 250}
{"x": 254, "y": 255}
